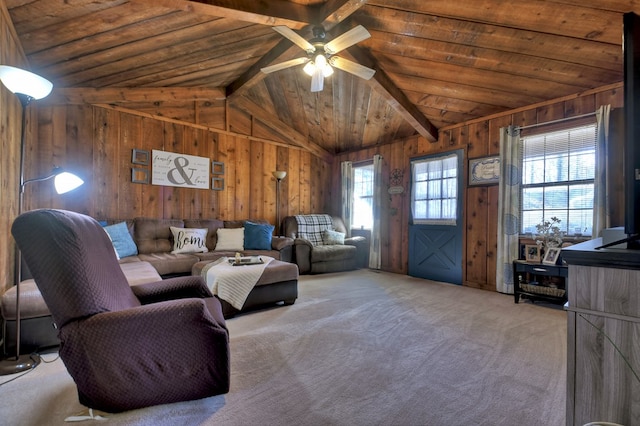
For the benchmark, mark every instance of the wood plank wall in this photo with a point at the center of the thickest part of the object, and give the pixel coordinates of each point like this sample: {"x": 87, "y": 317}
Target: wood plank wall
{"x": 97, "y": 143}
{"x": 478, "y": 138}
{"x": 10, "y": 130}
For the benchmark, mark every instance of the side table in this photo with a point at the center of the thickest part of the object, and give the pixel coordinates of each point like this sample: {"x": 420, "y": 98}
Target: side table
{"x": 538, "y": 281}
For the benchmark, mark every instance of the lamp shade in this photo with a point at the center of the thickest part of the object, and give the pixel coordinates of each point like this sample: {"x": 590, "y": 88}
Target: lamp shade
{"x": 24, "y": 82}
{"x": 65, "y": 182}
{"x": 279, "y": 174}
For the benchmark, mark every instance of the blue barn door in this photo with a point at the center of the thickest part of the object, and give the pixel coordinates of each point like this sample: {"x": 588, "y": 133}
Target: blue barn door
{"x": 435, "y": 230}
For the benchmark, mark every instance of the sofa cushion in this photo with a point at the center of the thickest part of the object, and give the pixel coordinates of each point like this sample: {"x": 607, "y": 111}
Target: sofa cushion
{"x": 189, "y": 240}
{"x": 230, "y": 239}
{"x": 168, "y": 263}
{"x": 334, "y": 252}
{"x": 140, "y": 273}
{"x": 154, "y": 235}
{"x": 330, "y": 238}
{"x": 257, "y": 236}
{"x": 211, "y": 224}
{"x": 121, "y": 239}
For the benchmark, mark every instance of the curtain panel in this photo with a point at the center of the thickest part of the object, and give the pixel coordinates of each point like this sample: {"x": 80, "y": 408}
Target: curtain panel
{"x": 346, "y": 171}
{"x": 508, "y": 207}
{"x": 601, "y": 209}
{"x": 375, "y": 260}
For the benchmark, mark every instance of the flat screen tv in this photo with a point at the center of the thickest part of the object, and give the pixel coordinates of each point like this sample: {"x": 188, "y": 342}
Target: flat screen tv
{"x": 631, "y": 54}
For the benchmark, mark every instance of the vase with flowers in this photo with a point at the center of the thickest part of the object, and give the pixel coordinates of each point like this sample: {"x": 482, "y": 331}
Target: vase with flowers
{"x": 548, "y": 235}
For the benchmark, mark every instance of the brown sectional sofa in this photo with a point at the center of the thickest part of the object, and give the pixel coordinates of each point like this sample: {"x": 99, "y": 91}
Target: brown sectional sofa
{"x": 154, "y": 240}
{"x": 154, "y": 261}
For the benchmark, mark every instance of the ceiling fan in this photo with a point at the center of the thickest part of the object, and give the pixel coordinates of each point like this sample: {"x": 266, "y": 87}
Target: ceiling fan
{"x": 320, "y": 54}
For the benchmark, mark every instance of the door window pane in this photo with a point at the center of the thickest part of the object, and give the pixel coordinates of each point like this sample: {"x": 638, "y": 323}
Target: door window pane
{"x": 434, "y": 194}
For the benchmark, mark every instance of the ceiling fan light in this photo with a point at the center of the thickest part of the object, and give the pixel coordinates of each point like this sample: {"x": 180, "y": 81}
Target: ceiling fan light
{"x": 317, "y": 81}
{"x": 327, "y": 71}
{"x": 309, "y": 69}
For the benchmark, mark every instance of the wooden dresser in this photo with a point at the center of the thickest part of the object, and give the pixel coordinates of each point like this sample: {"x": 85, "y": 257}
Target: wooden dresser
{"x": 603, "y": 303}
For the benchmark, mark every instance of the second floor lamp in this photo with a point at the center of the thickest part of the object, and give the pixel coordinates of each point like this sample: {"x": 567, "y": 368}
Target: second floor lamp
{"x": 279, "y": 175}
{"x": 28, "y": 86}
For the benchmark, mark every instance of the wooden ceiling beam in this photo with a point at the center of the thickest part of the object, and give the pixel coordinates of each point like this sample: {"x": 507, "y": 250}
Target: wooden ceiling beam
{"x": 336, "y": 11}
{"x": 381, "y": 83}
{"x": 267, "y": 118}
{"x": 91, "y": 95}
{"x": 273, "y": 12}
{"x": 282, "y": 51}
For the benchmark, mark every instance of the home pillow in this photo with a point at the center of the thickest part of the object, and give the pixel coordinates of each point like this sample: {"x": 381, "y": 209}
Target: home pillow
{"x": 189, "y": 240}
{"x": 121, "y": 240}
{"x": 257, "y": 236}
{"x": 230, "y": 239}
{"x": 331, "y": 238}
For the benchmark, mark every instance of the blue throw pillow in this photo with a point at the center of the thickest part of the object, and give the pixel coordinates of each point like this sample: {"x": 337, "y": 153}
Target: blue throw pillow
{"x": 257, "y": 236}
{"x": 121, "y": 239}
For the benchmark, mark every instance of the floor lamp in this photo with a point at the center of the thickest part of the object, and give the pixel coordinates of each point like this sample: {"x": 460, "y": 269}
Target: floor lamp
{"x": 279, "y": 175}
{"x": 27, "y": 87}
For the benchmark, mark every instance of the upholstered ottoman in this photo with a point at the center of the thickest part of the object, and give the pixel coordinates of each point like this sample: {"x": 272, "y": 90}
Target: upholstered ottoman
{"x": 277, "y": 284}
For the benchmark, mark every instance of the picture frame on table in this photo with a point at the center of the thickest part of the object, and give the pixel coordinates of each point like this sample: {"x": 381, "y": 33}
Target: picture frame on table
{"x": 551, "y": 256}
{"x": 531, "y": 253}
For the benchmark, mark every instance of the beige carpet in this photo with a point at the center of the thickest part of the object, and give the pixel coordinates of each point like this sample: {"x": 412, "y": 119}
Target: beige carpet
{"x": 359, "y": 348}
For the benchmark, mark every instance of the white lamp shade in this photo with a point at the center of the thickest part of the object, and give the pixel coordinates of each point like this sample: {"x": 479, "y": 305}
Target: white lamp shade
{"x": 25, "y": 82}
{"x": 65, "y": 182}
{"x": 279, "y": 174}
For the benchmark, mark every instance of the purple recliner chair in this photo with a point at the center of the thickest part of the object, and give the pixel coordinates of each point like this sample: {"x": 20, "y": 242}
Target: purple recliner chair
{"x": 125, "y": 347}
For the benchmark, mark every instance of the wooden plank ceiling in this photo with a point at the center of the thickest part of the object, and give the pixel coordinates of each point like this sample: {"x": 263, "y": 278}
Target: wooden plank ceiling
{"x": 437, "y": 62}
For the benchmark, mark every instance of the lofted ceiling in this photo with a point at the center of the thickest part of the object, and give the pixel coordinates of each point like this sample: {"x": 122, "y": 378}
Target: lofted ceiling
{"x": 437, "y": 63}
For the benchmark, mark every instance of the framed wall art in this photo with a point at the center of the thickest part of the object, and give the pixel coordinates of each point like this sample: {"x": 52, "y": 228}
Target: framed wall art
{"x": 217, "y": 184}
{"x": 181, "y": 170}
{"x": 217, "y": 168}
{"x": 140, "y": 156}
{"x": 139, "y": 175}
{"x": 484, "y": 171}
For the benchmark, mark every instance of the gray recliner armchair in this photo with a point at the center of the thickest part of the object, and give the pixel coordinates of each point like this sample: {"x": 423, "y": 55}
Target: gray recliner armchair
{"x": 317, "y": 251}
{"x": 125, "y": 347}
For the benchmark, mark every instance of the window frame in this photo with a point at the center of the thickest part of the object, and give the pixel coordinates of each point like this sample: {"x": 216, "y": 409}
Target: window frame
{"x": 454, "y": 183}
{"x": 569, "y": 183}
{"x": 355, "y": 166}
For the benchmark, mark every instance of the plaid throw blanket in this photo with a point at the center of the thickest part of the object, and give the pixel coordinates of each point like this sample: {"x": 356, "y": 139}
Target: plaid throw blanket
{"x": 311, "y": 227}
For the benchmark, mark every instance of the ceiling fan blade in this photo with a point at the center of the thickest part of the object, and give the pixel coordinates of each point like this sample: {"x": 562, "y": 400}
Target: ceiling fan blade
{"x": 351, "y": 37}
{"x": 317, "y": 80}
{"x": 295, "y": 38}
{"x": 352, "y": 67}
{"x": 283, "y": 65}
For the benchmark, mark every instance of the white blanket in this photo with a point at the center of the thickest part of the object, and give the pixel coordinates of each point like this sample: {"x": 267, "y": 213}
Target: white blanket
{"x": 233, "y": 283}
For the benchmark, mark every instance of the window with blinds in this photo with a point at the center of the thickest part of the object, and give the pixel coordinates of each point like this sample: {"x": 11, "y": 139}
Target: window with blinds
{"x": 558, "y": 170}
{"x": 362, "y": 197}
{"x": 434, "y": 194}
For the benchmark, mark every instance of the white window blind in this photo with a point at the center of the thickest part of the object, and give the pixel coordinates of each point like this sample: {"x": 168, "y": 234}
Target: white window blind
{"x": 434, "y": 193}
{"x": 558, "y": 170}
{"x": 362, "y": 197}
